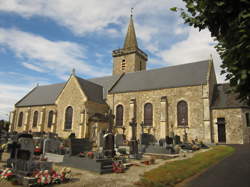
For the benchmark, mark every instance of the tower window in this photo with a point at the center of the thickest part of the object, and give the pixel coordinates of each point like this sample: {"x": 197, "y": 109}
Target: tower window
{"x": 123, "y": 64}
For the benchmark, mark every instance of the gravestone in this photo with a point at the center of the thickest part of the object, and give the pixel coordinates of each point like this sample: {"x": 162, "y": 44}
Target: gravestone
{"x": 101, "y": 139}
{"x": 108, "y": 145}
{"x": 169, "y": 140}
{"x": 22, "y": 154}
{"x": 119, "y": 140}
{"x": 51, "y": 145}
{"x": 133, "y": 143}
{"x": 79, "y": 146}
{"x": 162, "y": 142}
{"x": 177, "y": 139}
{"x": 147, "y": 139}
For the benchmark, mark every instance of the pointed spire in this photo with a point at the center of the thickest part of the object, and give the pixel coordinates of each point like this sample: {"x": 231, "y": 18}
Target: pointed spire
{"x": 73, "y": 72}
{"x": 130, "y": 40}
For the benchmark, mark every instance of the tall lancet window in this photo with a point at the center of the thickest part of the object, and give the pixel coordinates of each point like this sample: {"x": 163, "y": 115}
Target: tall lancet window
{"x": 119, "y": 115}
{"x": 68, "y": 118}
{"x": 182, "y": 113}
{"x": 50, "y": 118}
{"x": 20, "y": 119}
{"x": 148, "y": 114}
{"x": 35, "y": 119}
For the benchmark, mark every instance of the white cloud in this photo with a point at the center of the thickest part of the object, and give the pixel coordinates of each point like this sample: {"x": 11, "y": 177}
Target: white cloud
{"x": 32, "y": 67}
{"x": 196, "y": 47}
{"x": 88, "y": 15}
{"x": 9, "y": 95}
{"x": 57, "y": 57}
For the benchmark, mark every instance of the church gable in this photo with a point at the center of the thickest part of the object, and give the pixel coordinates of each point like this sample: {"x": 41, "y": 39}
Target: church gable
{"x": 83, "y": 88}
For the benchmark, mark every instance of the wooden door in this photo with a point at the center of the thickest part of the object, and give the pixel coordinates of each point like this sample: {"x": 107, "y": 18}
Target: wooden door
{"x": 221, "y": 130}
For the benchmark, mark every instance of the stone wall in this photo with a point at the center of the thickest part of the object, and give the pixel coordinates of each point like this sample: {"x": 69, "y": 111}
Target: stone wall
{"x": 133, "y": 62}
{"x": 234, "y": 125}
{"x": 193, "y": 95}
{"x": 246, "y": 129}
{"x": 28, "y": 114}
{"x": 72, "y": 95}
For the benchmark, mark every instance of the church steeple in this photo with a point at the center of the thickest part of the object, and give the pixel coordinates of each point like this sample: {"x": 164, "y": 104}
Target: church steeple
{"x": 130, "y": 58}
{"x": 130, "y": 40}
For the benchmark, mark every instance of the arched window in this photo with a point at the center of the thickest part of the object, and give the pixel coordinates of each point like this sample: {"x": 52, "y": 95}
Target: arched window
{"x": 119, "y": 115}
{"x": 148, "y": 114}
{"x": 20, "y": 119}
{"x": 68, "y": 118}
{"x": 182, "y": 113}
{"x": 35, "y": 119}
{"x": 50, "y": 118}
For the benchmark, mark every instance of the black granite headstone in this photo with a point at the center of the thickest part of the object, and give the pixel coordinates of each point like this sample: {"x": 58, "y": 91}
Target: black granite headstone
{"x": 169, "y": 140}
{"x": 147, "y": 139}
{"x": 108, "y": 145}
{"x": 177, "y": 139}
{"x": 79, "y": 145}
{"x": 162, "y": 142}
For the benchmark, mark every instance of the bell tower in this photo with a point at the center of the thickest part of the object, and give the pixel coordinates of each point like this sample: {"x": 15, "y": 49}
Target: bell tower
{"x": 130, "y": 58}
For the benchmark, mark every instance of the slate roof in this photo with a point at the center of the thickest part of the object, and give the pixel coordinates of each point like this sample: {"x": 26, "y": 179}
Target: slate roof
{"x": 41, "y": 95}
{"x": 221, "y": 99}
{"x": 93, "y": 91}
{"x": 170, "y": 77}
{"x": 130, "y": 39}
{"x": 106, "y": 82}
{"x": 97, "y": 89}
{"x": 46, "y": 95}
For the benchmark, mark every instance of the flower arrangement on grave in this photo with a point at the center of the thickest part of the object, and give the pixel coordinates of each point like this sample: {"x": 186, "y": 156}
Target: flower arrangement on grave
{"x": 6, "y": 174}
{"x": 45, "y": 177}
{"x": 90, "y": 155}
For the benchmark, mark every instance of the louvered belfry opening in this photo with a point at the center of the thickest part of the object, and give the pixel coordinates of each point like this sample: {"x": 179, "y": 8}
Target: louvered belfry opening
{"x": 119, "y": 115}
{"x": 148, "y": 114}
{"x": 182, "y": 113}
{"x": 68, "y": 118}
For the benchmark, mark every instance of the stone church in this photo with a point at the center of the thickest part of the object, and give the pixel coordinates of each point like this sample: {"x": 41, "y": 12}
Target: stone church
{"x": 165, "y": 102}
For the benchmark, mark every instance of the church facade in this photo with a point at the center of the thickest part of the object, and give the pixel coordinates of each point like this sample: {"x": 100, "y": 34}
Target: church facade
{"x": 164, "y": 102}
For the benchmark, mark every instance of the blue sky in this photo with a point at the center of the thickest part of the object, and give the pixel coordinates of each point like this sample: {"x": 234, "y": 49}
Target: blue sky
{"x": 41, "y": 41}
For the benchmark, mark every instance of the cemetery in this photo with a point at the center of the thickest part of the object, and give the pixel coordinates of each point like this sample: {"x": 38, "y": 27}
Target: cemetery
{"x": 33, "y": 156}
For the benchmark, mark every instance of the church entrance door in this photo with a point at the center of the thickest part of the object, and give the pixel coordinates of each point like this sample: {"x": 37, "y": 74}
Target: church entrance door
{"x": 221, "y": 130}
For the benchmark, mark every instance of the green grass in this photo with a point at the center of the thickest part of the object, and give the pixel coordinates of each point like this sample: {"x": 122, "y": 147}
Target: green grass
{"x": 175, "y": 172}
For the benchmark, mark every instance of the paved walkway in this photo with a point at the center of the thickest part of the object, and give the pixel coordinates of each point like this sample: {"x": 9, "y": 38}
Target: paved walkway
{"x": 233, "y": 171}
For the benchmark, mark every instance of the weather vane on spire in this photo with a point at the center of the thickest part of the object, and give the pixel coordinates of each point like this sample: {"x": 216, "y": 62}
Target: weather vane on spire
{"x": 131, "y": 11}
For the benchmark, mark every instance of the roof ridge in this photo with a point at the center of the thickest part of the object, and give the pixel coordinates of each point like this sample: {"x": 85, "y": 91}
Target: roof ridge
{"x": 88, "y": 81}
{"x": 51, "y": 84}
{"x": 155, "y": 69}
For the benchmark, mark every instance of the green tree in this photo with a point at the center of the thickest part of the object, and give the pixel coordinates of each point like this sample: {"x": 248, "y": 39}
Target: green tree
{"x": 229, "y": 22}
